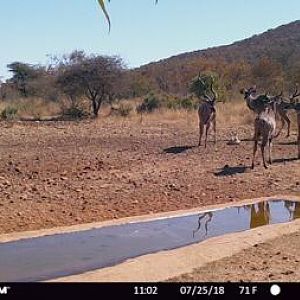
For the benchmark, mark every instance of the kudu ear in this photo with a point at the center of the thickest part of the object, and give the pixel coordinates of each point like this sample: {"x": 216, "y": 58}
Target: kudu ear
{"x": 242, "y": 91}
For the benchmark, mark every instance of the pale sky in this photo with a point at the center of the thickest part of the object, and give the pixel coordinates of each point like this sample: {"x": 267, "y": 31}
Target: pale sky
{"x": 141, "y": 31}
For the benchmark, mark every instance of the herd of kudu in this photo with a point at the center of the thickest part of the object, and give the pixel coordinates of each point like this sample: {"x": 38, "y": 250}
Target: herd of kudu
{"x": 267, "y": 109}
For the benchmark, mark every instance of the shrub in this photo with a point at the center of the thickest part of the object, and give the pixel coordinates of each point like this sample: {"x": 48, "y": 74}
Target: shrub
{"x": 124, "y": 110}
{"x": 150, "y": 104}
{"x": 172, "y": 104}
{"x": 188, "y": 104}
{"x": 75, "y": 112}
{"x": 9, "y": 113}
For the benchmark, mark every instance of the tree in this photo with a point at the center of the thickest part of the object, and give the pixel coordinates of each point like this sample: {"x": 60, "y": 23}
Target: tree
{"x": 203, "y": 85}
{"x": 22, "y": 75}
{"x": 268, "y": 75}
{"x": 94, "y": 77}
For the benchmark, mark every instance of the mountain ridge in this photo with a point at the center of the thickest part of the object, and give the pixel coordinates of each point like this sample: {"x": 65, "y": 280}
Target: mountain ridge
{"x": 282, "y": 32}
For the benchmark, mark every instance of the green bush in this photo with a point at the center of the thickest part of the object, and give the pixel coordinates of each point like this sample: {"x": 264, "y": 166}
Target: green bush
{"x": 9, "y": 113}
{"x": 172, "y": 104}
{"x": 150, "y": 104}
{"x": 188, "y": 104}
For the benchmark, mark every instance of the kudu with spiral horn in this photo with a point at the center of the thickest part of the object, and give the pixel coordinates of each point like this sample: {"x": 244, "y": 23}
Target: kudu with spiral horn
{"x": 207, "y": 112}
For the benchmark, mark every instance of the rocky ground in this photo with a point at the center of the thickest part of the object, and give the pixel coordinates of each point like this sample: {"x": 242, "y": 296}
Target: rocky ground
{"x": 277, "y": 260}
{"x": 62, "y": 173}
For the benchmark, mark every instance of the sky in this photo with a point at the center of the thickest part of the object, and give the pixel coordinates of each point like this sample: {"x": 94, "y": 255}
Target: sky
{"x": 141, "y": 31}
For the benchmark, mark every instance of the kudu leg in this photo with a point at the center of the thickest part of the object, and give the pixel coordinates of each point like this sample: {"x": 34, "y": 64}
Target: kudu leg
{"x": 298, "y": 121}
{"x": 206, "y": 132}
{"x": 270, "y": 151}
{"x": 299, "y": 141}
{"x": 254, "y": 152}
{"x": 286, "y": 119}
{"x": 201, "y": 131}
{"x": 215, "y": 129}
{"x": 263, "y": 146}
{"x": 299, "y": 144}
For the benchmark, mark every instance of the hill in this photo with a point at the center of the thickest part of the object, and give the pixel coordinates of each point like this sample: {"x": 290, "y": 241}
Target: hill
{"x": 277, "y": 50}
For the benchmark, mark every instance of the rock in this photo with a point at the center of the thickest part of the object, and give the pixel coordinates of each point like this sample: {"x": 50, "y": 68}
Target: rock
{"x": 18, "y": 170}
{"x": 34, "y": 189}
{"x": 288, "y": 272}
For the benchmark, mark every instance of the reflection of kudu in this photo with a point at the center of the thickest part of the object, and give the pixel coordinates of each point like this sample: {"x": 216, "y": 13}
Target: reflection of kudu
{"x": 260, "y": 214}
{"x": 201, "y": 218}
{"x": 296, "y": 214}
{"x": 293, "y": 209}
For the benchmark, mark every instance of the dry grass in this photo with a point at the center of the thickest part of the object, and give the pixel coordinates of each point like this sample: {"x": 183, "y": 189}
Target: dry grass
{"x": 229, "y": 115}
{"x": 32, "y": 107}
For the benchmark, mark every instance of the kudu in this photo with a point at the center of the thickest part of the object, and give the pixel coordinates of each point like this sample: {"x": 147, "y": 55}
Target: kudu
{"x": 256, "y": 104}
{"x": 283, "y": 106}
{"x": 207, "y": 113}
{"x": 265, "y": 127}
{"x": 298, "y": 123}
{"x": 292, "y": 104}
{"x": 296, "y": 106}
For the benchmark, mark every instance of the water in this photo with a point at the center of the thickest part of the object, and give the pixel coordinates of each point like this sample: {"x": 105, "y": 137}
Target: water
{"x": 49, "y": 257}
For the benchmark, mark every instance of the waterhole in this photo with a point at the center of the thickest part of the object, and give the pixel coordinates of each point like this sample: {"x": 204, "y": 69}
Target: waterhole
{"x": 49, "y": 257}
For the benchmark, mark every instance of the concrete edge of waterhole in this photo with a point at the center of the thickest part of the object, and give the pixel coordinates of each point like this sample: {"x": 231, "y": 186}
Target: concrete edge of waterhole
{"x": 167, "y": 264}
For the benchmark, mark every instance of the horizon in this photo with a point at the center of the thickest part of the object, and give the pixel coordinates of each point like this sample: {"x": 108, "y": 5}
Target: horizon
{"x": 133, "y": 37}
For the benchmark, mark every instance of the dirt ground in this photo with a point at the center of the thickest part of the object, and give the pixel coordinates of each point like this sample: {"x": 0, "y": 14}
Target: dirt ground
{"x": 277, "y": 260}
{"x": 63, "y": 173}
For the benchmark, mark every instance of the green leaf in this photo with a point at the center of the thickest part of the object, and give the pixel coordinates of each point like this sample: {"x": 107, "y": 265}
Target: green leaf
{"x": 102, "y": 5}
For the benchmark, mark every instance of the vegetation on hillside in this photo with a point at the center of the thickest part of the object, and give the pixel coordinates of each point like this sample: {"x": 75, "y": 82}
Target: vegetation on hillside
{"x": 81, "y": 83}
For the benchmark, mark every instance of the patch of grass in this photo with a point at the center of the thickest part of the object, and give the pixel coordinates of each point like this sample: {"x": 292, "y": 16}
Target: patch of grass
{"x": 75, "y": 112}
{"x": 9, "y": 113}
{"x": 124, "y": 110}
{"x": 35, "y": 108}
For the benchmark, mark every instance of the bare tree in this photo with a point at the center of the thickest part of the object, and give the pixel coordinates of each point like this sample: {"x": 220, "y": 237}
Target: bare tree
{"x": 95, "y": 77}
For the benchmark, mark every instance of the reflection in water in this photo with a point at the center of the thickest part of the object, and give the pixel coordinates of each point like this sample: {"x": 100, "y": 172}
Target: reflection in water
{"x": 293, "y": 209}
{"x": 64, "y": 254}
{"x": 259, "y": 214}
{"x": 209, "y": 216}
{"x": 296, "y": 214}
